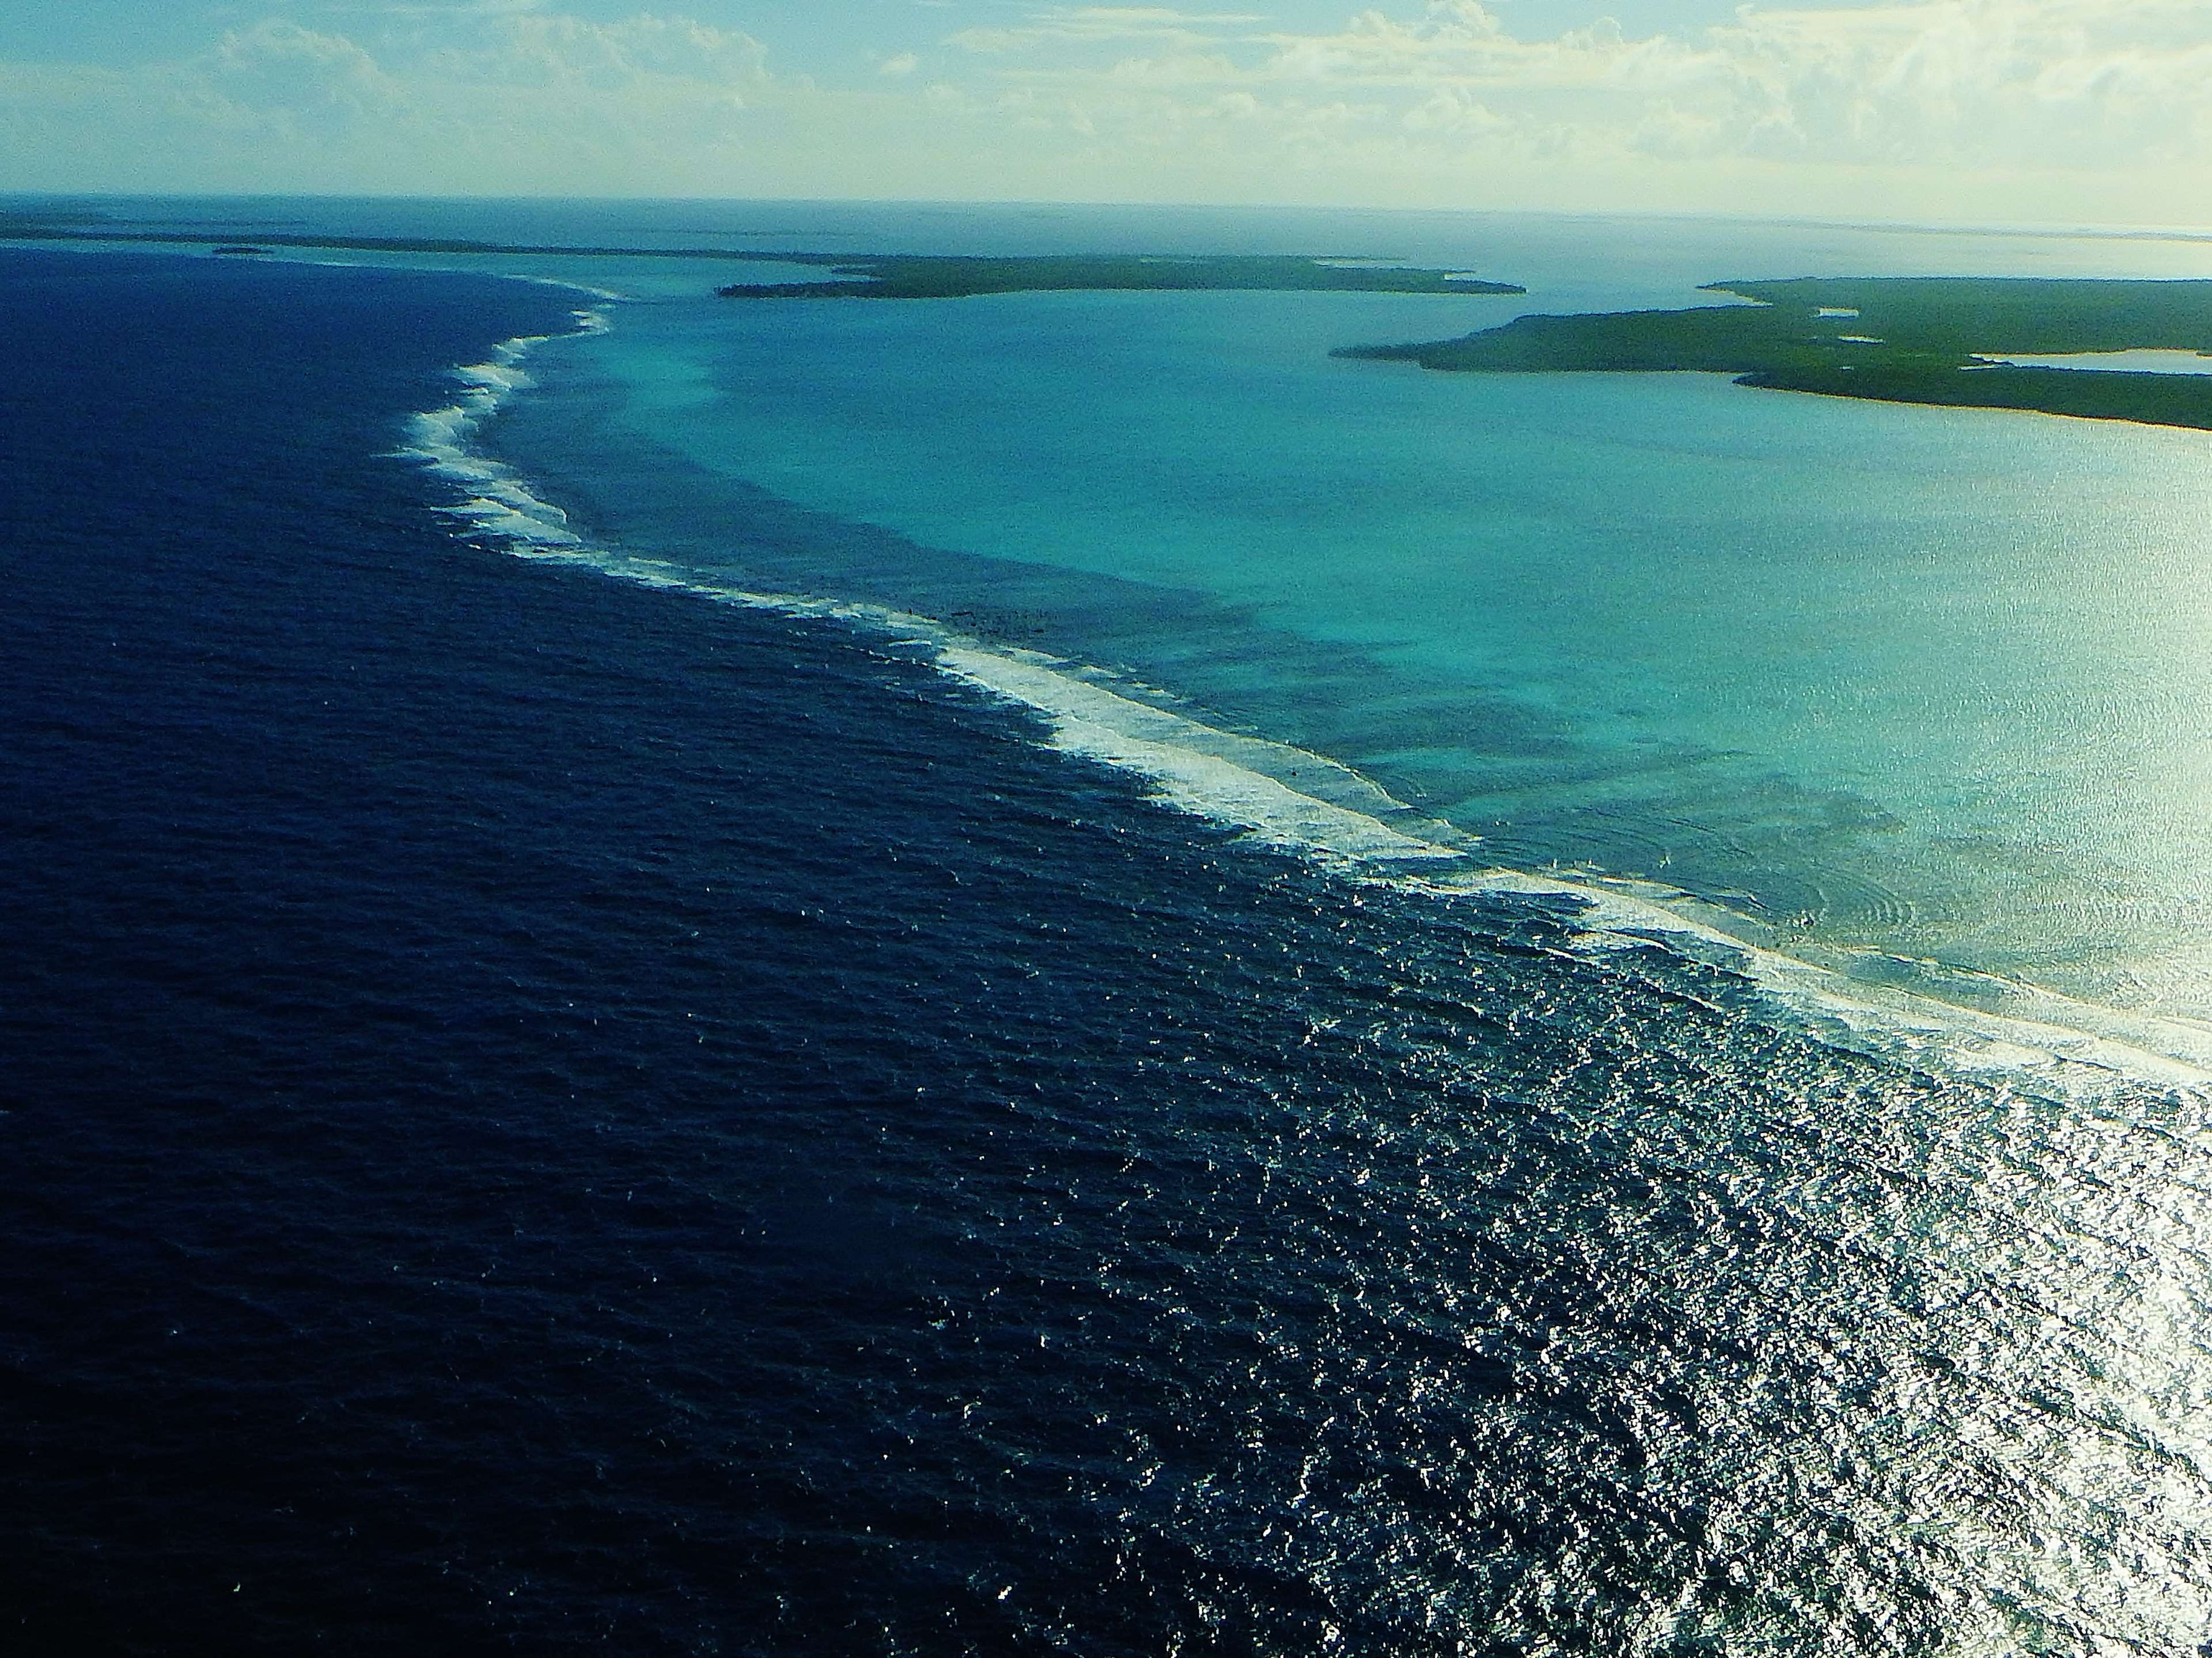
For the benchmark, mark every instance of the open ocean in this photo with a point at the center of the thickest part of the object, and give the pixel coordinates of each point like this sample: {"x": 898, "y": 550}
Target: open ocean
{"x": 1051, "y": 974}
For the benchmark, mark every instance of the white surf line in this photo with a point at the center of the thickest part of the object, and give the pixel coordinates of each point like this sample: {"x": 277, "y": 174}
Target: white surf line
{"x": 1201, "y": 770}
{"x": 500, "y": 502}
{"x": 1879, "y": 1016}
{"x": 1184, "y": 761}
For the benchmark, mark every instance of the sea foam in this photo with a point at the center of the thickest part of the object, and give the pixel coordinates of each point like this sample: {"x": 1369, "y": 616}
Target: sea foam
{"x": 497, "y": 502}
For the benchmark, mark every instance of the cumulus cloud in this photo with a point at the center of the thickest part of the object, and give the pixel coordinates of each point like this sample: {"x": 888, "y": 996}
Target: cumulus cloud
{"x": 2030, "y": 109}
{"x": 2015, "y": 86}
{"x": 1060, "y": 25}
{"x": 500, "y": 96}
{"x": 2038, "y": 83}
{"x": 550, "y": 49}
{"x": 2015, "y": 80}
{"x": 290, "y": 77}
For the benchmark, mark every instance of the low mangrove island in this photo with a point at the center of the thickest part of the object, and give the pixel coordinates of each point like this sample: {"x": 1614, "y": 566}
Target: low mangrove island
{"x": 940, "y": 276}
{"x": 1923, "y": 339}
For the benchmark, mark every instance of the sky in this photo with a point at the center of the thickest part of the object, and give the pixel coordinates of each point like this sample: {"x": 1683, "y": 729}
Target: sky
{"x": 2040, "y": 112}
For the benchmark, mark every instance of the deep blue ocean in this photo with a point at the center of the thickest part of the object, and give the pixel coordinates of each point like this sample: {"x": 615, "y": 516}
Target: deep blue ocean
{"x": 541, "y": 1110}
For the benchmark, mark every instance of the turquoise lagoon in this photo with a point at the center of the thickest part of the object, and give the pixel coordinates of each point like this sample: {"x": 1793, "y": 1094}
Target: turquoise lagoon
{"x": 1922, "y": 696}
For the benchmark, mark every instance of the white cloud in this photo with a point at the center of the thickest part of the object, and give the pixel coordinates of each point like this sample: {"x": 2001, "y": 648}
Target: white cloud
{"x": 1941, "y": 88}
{"x": 2046, "y": 109}
{"x": 550, "y": 49}
{"x": 506, "y": 97}
{"x": 437, "y": 8}
{"x": 1063, "y": 24}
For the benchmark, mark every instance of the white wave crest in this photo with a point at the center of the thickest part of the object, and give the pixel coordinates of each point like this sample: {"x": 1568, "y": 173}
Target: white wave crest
{"x": 499, "y": 503}
{"x": 1206, "y": 772}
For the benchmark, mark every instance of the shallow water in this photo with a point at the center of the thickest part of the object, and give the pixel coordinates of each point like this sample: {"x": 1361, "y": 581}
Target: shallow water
{"x": 2145, "y": 361}
{"x": 1899, "y": 685}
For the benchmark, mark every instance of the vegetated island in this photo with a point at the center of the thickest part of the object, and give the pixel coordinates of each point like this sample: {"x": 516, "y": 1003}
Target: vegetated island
{"x": 1920, "y": 339}
{"x": 945, "y": 276}
{"x": 847, "y": 276}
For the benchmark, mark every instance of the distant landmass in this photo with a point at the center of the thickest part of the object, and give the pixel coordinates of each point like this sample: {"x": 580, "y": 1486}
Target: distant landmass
{"x": 1895, "y": 339}
{"x": 867, "y": 276}
{"x": 1921, "y": 339}
{"x": 929, "y": 277}
{"x": 96, "y": 228}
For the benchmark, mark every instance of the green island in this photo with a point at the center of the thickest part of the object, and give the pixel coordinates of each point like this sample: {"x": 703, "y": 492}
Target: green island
{"x": 938, "y": 276}
{"x": 1894, "y": 339}
{"x": 846, "y": 275}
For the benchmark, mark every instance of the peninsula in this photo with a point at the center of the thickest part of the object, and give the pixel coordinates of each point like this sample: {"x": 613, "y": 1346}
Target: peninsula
{"x": 1894, "y": 339}
{"x": 845, "y": 275}
{"x": 934, "y": 276}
